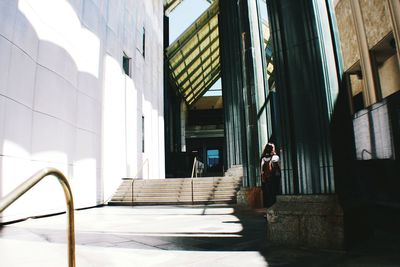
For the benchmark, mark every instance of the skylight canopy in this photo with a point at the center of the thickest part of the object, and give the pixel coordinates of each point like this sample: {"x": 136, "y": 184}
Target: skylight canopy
{"x": 194, "y": 58}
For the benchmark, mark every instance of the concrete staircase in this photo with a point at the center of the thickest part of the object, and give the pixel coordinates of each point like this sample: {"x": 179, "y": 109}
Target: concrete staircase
{"x": 205, "y": 190}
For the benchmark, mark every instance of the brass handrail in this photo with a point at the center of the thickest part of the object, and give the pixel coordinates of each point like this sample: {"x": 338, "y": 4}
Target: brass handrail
{"x": 194, "y": 171}
{"x": 194, "y": 167}
{"x": 31, "y": 182}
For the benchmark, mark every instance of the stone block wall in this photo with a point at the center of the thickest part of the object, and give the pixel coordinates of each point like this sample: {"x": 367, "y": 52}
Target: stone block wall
{"x": 377, "y": 24}
{"x": 376, "y": 19}
{"x": 306, "y": 220}
{"x": 347, "y": 33}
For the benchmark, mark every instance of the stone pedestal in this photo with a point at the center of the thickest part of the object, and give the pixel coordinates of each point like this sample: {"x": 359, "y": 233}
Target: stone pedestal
{"x": 306, "y": 220}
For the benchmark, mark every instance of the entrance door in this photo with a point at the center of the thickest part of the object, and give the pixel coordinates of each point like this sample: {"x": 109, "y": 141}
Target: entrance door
{"x": 214, "y": 161}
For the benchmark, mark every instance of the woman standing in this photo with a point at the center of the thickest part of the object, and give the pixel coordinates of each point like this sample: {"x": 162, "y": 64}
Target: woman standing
{"x": 270, "y": 174}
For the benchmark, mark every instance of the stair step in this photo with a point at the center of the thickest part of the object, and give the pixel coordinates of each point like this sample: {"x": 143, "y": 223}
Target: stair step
{"x": 161, "y": 200}
{"x": 181, "y": 181}
{"x": 138, "y": 203}
{"x": 180, "y": 189}
{"x": 228, "y": 194}
{"x": 174, "y": 196}
{"x": 154, "y": 185}
{"x": 177, "y": 191}
{"x": 185, "y": 186}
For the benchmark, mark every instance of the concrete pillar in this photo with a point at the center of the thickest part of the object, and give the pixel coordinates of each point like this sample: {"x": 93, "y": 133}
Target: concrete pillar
{"x": 260, "y": 75}
{"x": 302, "y": 91}
{"x": 309, "y": 211}
{"x": 394, "y": 8}
{"x": 243, "y": 84}
{"x": 250, "y": 84}
{"x": 184, "y": 114}
{"x": 365, "y": 56}
{"x": 232, "y": 84}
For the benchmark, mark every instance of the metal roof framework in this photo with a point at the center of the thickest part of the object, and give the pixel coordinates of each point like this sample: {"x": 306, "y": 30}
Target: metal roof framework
{"x": 194, "y": 58}
{"x": 170, "y": 5}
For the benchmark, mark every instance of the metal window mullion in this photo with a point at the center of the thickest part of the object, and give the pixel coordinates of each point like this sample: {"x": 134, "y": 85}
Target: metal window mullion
{"x": 206, "y": 87}
{"x": 193, "y": 93}
{"x": 195, "y": 81}
{"x": 191, "y": 52}
{"x": 195, "y": 70}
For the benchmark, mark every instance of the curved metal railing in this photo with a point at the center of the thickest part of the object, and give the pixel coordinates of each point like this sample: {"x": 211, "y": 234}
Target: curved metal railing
{"x": 31, "y": 182}
{"x": 194, "y": 172}
{"x": 194, "y": 167}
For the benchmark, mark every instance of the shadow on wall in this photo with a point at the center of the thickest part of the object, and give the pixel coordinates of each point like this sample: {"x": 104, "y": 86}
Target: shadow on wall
{"x": 363, "y": 185}
{"x": 348, "y": 186}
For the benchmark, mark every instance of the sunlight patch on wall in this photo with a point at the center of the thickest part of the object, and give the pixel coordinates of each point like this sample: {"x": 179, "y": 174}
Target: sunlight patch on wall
{"x": 55, "y": 21}
{"x": 113, "y": 139}
{"x": 132, "y": 141}
{"x": 84, "y": 188}
{"x": 11, "y": 148}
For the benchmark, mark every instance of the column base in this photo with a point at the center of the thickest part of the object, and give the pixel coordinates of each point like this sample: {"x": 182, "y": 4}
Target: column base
{"x": 250, "y": 198}
{"x": 235, "y": 171}
{"x": 306, "y": 220}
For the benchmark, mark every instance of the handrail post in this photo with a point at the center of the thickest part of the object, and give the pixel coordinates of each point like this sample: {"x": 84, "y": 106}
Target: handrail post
{"x": 194, "y": 171}
{"x": 133, "y": 180}
{"x": 194, "y": 166}
{"x": 31, "y": 182}
{"x": 146, "y": 161}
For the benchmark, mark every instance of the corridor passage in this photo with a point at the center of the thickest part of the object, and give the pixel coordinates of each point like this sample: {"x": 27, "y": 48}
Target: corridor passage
{"x": 171, "y": 236}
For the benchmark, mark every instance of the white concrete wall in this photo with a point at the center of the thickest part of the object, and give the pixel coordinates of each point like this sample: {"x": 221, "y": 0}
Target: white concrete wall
{"x": 65, "y": 101}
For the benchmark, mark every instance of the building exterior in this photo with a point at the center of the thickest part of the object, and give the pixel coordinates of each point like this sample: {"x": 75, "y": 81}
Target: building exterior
{"x": 338, "y": 120}
{"x": 81, "y": 89}
{"x": 369, "y": 41}
{"x": 84, "y": 86}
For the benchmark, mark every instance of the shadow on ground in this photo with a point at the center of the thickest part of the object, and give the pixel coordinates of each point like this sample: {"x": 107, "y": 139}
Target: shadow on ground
{"x": 198, "y": 229}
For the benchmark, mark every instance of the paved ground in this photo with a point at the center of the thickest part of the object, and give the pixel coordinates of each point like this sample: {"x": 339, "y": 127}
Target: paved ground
{"x": 173, "y": 236}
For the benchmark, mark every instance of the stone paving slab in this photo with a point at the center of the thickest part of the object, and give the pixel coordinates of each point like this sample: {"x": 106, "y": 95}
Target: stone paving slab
{"x": 172, "y": 236}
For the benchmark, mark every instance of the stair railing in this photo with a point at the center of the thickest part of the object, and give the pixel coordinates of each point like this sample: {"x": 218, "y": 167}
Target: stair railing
{"x": 194, "y": 167}
{"x": 31, "y": 182}
{"x": 194, "y": 172}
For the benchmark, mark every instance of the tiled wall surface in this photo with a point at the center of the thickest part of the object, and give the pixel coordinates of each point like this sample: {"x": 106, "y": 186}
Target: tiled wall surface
{"x": 376, "y": 17}
{"x": 377, "y": 25}
{"x": 65, "y": 101}
{"x": 347, "y": 33}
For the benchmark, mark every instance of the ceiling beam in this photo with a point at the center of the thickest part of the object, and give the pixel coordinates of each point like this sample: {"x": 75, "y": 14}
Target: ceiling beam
{"x": 207, "y": 86}
{"x": 194, "y": 47}
{"x": 212, "y": 52}
{"x": 198, "y": 76}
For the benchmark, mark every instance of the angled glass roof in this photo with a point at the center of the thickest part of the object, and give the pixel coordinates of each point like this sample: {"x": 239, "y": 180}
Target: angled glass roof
{"x": 193, "y": 59}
